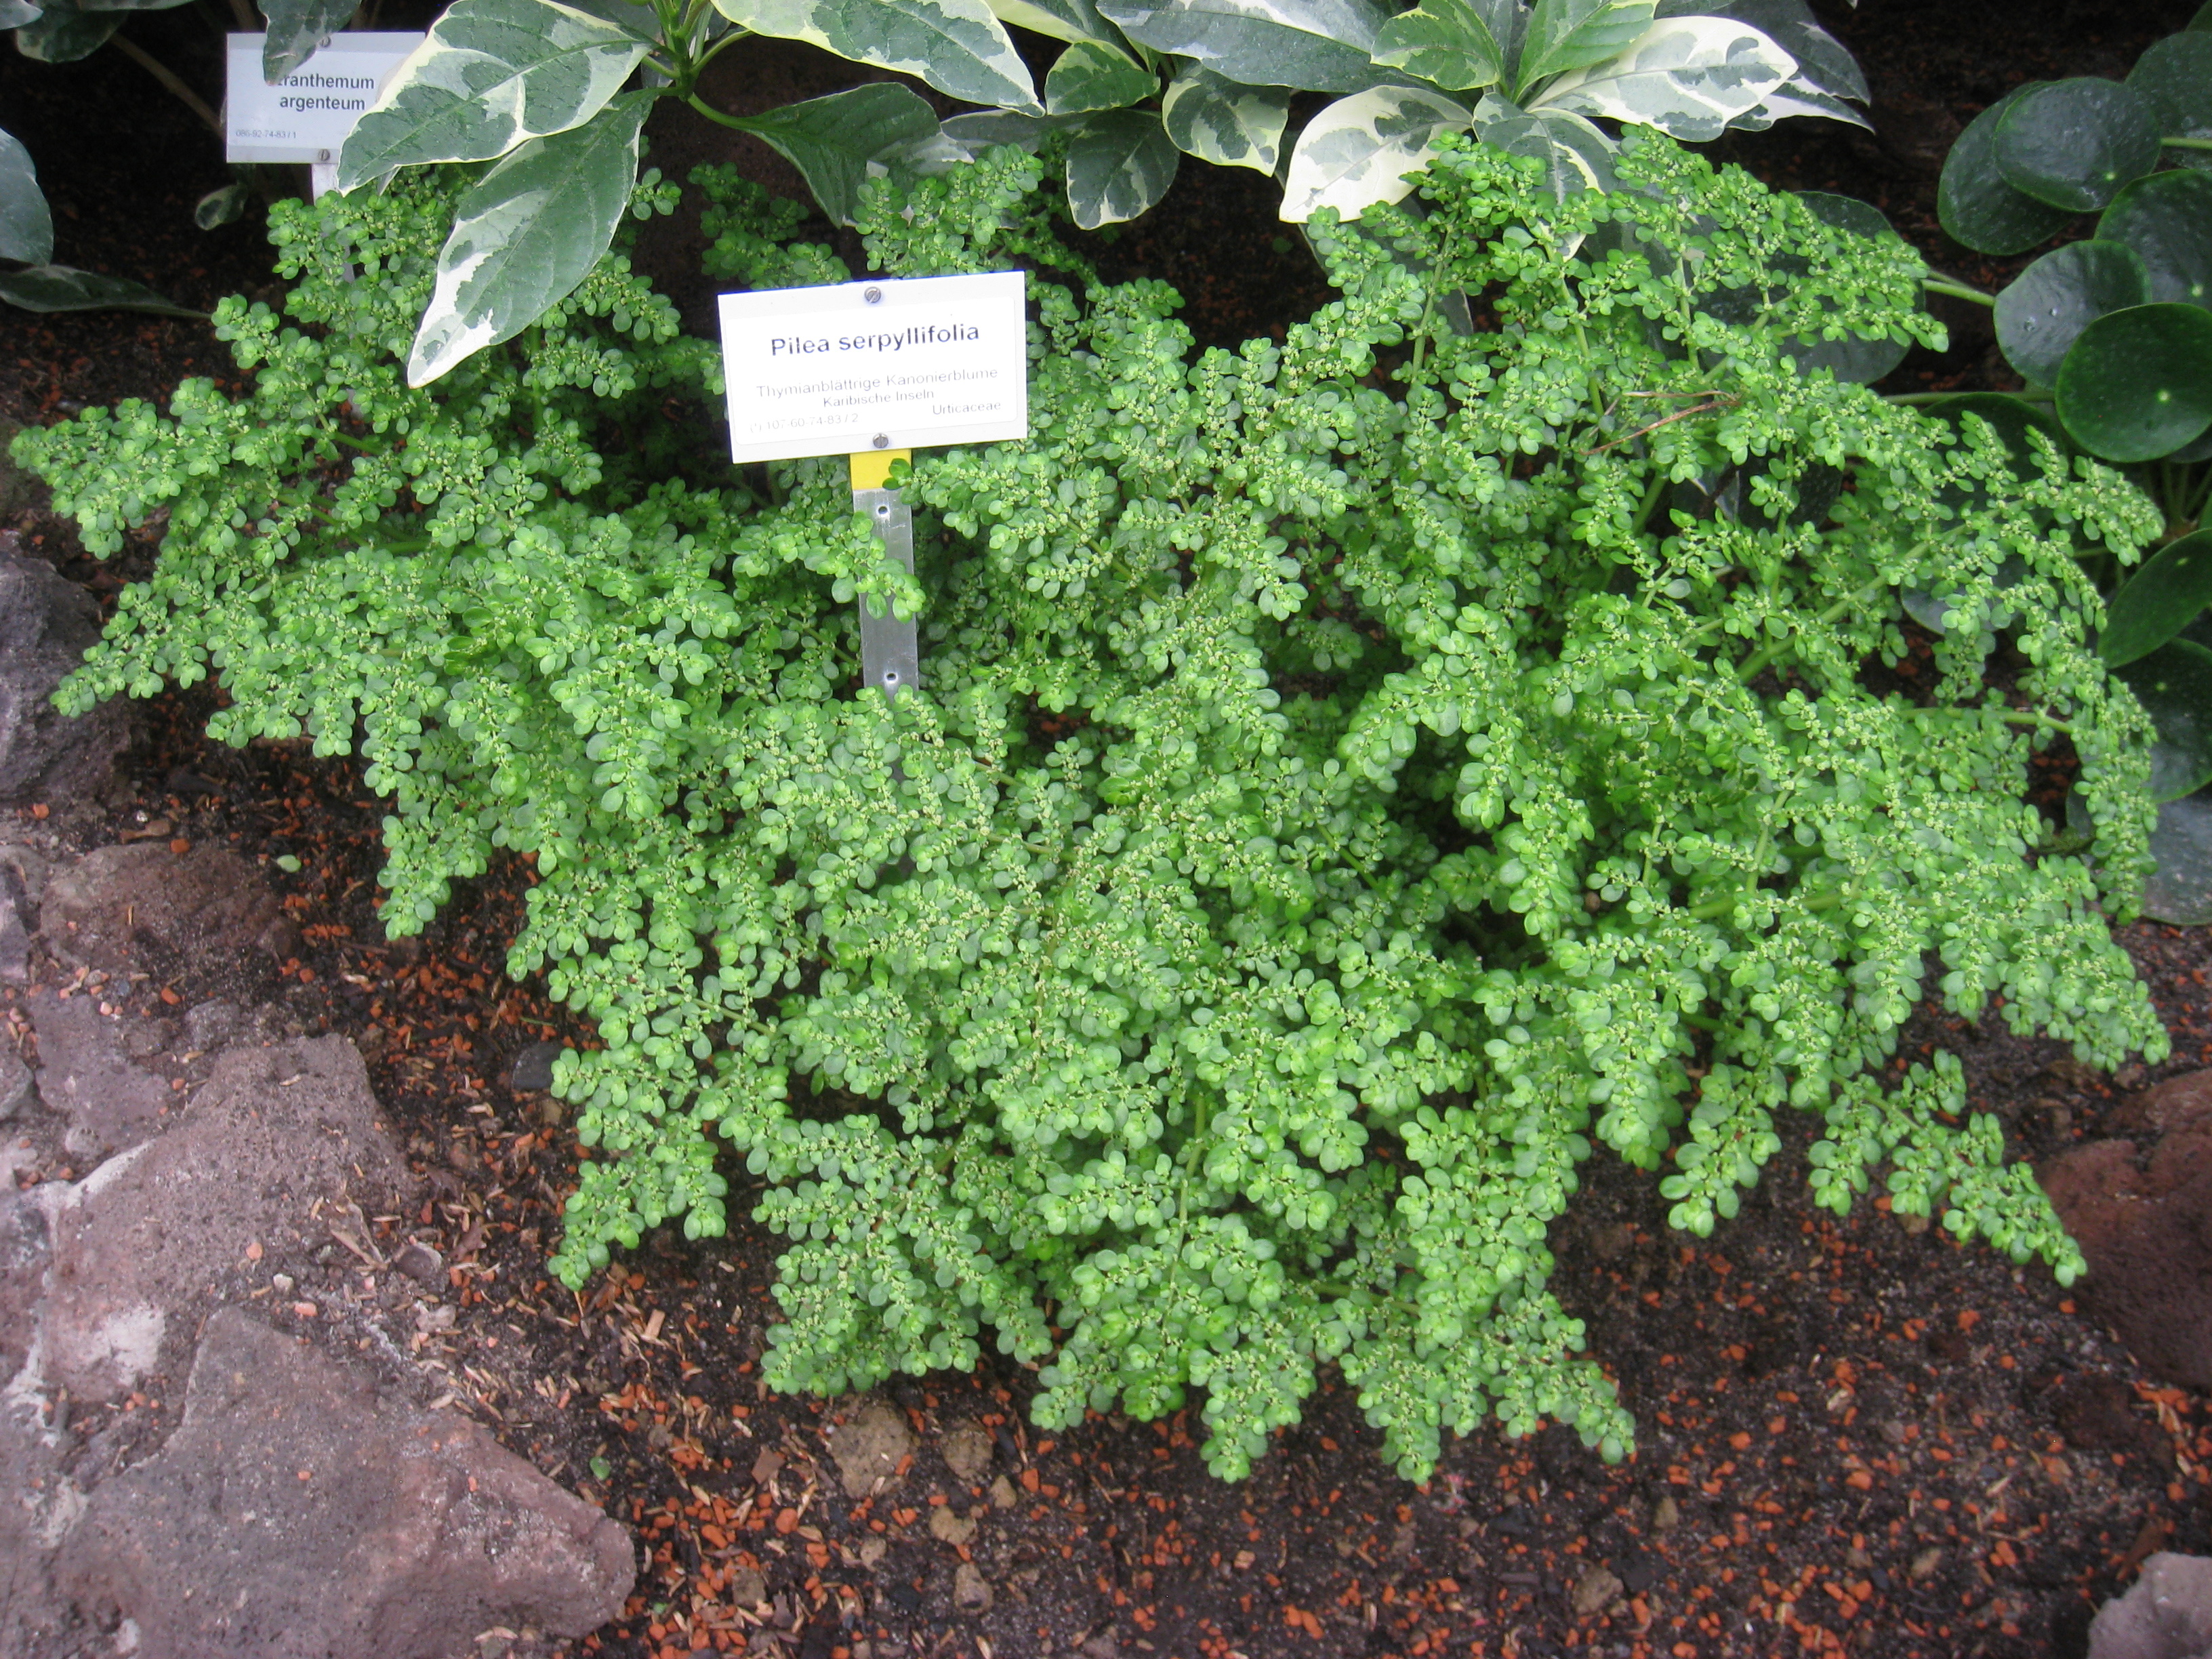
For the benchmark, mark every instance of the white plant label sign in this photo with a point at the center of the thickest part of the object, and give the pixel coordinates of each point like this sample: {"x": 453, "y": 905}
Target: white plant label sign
{"x": 307, "y": 115}
{"x": 877, "y": 365}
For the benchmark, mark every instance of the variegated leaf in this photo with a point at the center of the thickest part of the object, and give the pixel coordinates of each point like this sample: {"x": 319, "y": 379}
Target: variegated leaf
{"x": 1088, "y": 77}
{"x": 1447, "y": 43}
{"x": 1119, "y": 165}
{"x": 832, "y": 140}
{"x": 1321, "y": 45}
{"x": 62, "y": 34}
{"x": 978, "y": 132}
{"x": 1358, "y": 151}
{"x": 14, "y": 14}
{"x": 529, "y": 230}
{"x": 1572, "y": 34}
{"x": 955, "y": 45}
{"x": 489, "y": 76}
{"x": 1061, "y": 19}
{"x": 1825, "y": 65}
{"x": 1689, "y": 77}
{"x": 1794, "y": 98}
{"x": 27, "y": 225}
{"x": 1575, "y": 154}
{"x": 64, "y": 288}
{"x": 1222, "y": 122}
{"x": 297, "y": 30}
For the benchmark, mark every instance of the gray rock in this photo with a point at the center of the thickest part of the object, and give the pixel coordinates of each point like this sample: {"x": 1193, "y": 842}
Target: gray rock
{"x": 46, "y": 624}
{"x": 533, "y": 1066}
{"x": 84, "y": 1074}
{"x": 14, "y": 939}
{"x": 141, "y": 1243}
{"x": 967, "y": 1451}
{"x": 26, "y": 1246}
{"x": 15, "y": 1088}
{"x": 870, "y": 1448}
{"x": 202, "y": 922}
{"x": 420, "y": 1262}
{"x": 293, "y": 1513}
{"x": 2167, "y": 1615}
{"x": 971, "y": 1589}
{"x": 209, "y": 1025}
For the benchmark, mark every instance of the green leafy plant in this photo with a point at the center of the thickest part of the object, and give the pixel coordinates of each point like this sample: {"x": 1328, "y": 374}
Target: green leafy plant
{"x": 2113, "y": 334}
{"x": 1356, "y": 778}
{"x": 557, "y": 95}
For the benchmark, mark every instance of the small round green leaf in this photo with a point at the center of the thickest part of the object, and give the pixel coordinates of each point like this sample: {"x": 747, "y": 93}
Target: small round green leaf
{"x": 2137, "y": 384}
{"x": 1977, "y": 205}
{"x": 2167, "y": 219}
{"x": 2013, "y": 418}
{"x": 2074, "y": 143}
{"x": 2174, "y": 77}
{"x": 2159, "y": 600}
{"x": 2174, "y": 685}
{"x": 2051, "y": 302}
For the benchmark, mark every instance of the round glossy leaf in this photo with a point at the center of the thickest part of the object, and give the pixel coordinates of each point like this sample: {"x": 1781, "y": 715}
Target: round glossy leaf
{"x": 2174, "y": 685}
{"x": 2189, "y": 454}
{"x": 2137, "y": 384}
{"x": 1974, "y": 201}
{"x": 2051, "y": 302}
{"x": 2174, "y": 77}
{"x": 2159, "y": 600}
{"x": 2180, "y": 892}
{"x": 2074, "y": 143}
{"x": 1848, "y": 213}
{"x": 2167, "y": 219}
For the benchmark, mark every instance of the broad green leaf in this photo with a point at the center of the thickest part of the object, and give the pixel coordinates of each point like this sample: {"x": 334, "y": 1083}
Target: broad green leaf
{"x": 1572, "y": 35}
{"x": 955, "y": 45}
{"x": 979, "y": 131}
{"x": 1689, "y": 77}
{"x": 1575, "y": 155}
{"x": 2138, "y": 383}
{"x": 222, "y": 206}
{"x": 2174, "y": 78}
{"x": 1222, "y": 122}
{"x": 525, "y": 235}
{"x": 1320, "y": 45}
{"x": 1976, "y": 205}
{"x": 2050, "y": 303}
{"x": 490, "y": 74}
{"x": 2174, "y": 685}
{"x": 1118, "y": 165}
{"x": 1447, "y": 43}
{"x": 832, "y": 140}
{"x": 2167, "y": 219}
{"x": 63, "y": 288}
{"x": 61, "y": 32}
{"x": 1088, "y": 77}
{"x": 128, "y": 5}
{"x": 2180, "y": 892}
{"x": 27, "y": 226}
{"x": 1357, "y": 152}
{"x": 297, "y": 30}
{"x": 1061, "y": 19}
{"x": 1794, "y": 98}
{"x": 2159, "y": 600}
{"x": 2074, "y": 143}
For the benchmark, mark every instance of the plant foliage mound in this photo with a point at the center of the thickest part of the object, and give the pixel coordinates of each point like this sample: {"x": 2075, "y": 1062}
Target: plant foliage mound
{"x": 1357, "y": 777}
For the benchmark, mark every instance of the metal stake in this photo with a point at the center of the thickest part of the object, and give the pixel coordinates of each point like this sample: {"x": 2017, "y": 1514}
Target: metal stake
{"x": 890, "y": 650}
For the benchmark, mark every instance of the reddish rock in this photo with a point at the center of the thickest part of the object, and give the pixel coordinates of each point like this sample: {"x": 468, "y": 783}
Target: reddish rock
{"x": 2141, "y": 1211}
{"x": 293, "y": 1513}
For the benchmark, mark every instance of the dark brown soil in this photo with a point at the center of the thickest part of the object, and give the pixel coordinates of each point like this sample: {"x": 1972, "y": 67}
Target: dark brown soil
{"x": 1855, "y": 1435}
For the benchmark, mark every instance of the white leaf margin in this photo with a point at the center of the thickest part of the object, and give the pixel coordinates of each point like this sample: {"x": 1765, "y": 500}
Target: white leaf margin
{"x": 1355, "y": 154}
{"x": 1689, "y": 77}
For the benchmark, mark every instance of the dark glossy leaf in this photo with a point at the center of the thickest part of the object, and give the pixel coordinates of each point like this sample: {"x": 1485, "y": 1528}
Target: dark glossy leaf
{"x": 1850, "y": 358}
{"x": 2174, "y": 77}
{"x": 27, "y": 227}
{"x": 1976, "y": 205}
{"x": 832, "y": 140}
{"x": 127, "y": 5}
{"x": 61, "y": 288}
{"x": 2167, "y": 219}
{"x": 2174, "y": 685}
{"x": 2180, "y": 892}
{"x": 2159, "y": 600}
{"x": 1118, "y": 165}
{"x": 2011, "y": 418}
{"x": 2138, "y": 383}
{"x": 2051, "y": 302}
{"x": 2074, "y": 143}
{"x": 297, "y": 30}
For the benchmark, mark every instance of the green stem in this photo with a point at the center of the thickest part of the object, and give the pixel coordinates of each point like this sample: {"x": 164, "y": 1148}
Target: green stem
{"x": 1660, "y": 482}
{"x": 1759, "y": 659}
{"x": 2026, "y": 717}
{"x": 1957, "y": 290}
{"x": 1827, "y": 899}
{"x": 713, "y": 115}
{"x": 2187, "y": 143}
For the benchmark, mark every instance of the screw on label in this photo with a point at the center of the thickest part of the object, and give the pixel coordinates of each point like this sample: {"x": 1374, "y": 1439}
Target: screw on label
{"x": 872, "y": 296}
